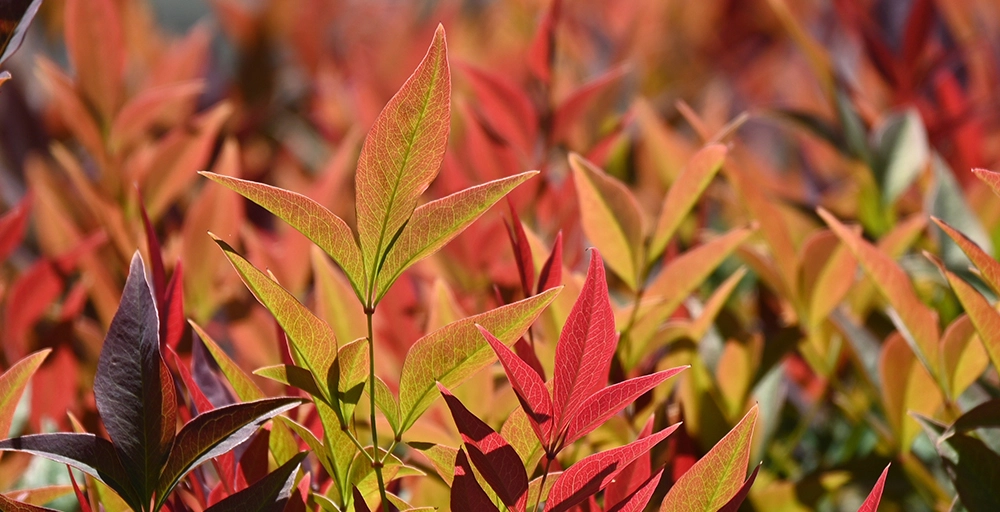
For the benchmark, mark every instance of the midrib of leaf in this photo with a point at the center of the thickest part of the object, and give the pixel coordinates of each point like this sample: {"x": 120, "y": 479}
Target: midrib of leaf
{"x": 399, "y": 177}
{"x": 717, "y": 489}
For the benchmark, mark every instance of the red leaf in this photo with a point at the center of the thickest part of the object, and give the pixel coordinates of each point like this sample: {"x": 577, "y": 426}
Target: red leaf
{"x": 201, "y": 402}
{"x": 631, "y": 478}
{"x": 597, "y": 408}
{"x": 522, "y": 251}
{"x": 12, "y": 227}
{"x": 269, "y": 494}
{"x": 593, "y": 473}
{"x": 465, "y": 491}
{"x": 9, "y": 505}
{"x": 528, "y": 386}
{"x": 527, "y": 354}
{"x": 551, "y": 273}
{"x": 586, "y": 346}
{"x": 733, "y": 505}
{"x": 918, "y": 28}
{"x": 572, "y": 108}
{"x": 84, "y": 503}
{"x": 96, "y": 47}
{"x": 507, "y": 109}
{"x": 541, "y": 54}
{"x": 637, "y": 501}
{"x": 155, "y": 262}
{"x": 496, "y": 459}
{"x": 873, "y": 499}
{"x": 172, "y": 321}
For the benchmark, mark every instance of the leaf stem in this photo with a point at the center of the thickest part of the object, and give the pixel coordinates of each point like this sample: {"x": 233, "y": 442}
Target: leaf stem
{"x": 541, "y": 487}
{"x": 375, "y": 460}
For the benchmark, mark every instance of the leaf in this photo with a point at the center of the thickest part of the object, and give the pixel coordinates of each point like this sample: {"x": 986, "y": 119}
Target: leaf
{"x": 684, "y": 193}
{"x": 636, "y": 502}
{"x": 597, "y": 408}
{"x": 86, "y": 452}
{"x": 551, "y": 274}
{"x": 438, "y": 222}
{"x": 572, "y": 109}
{"x": 541, "y": 53}
{"x": 919, "y": 322}
{"x": 16, "y": 26}
{"x": 717, "y": 476}
{"x": 947, "y": 201}
{"x": 9, "y": 505}
{"x": 595, "y": 472}
{"x": 12, "y": 385}
{"x": 309, "y": 336}
{"x": 528, "y": 386}
{"x": 215, "y": 432}
{"x": 988, "y": 267}
{"x": 95, "y": 43}
{"x": 245, "y": 388}
{"x": 990, "y": 178}
{"x": 269, "y": 494}
{"x": 984, "y": 317}
{"x": 291, "y": 375}
{"x": 403, "y": 153}
{"x": 13, "y": 224}
{"x": 465, "y": 491}
{"x": 506, "y": 108}
{"x": 611, "y": 219}
{"x": 495, "y": 459}
{"x": 901, "y": 153}
{"x": 310, "y": 218}
{"x": 871, "y": 502}
{"x": 453, "y": 353}
{"x": 586, "y": 346}
{"x": 133, "y": 387}
{"x": 142, "y": 111}
{"x": 522, "y": 251}
{"x": 733, "y": 505}
{"x": 359, "y": 502}
{"x": 971, "y": 465}
{"x": 386, "y": 402}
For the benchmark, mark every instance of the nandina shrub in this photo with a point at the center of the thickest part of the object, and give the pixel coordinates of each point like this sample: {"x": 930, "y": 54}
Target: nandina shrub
{"x": 563, "y": 259}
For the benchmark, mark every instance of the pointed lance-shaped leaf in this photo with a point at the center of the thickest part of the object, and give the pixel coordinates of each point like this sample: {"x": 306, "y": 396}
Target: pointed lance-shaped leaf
{"x": 522, "y": 251}
{"x": 597, "y": 408}
{"x": 310, "y": 218}
{"x": 466, "y": 494}
{"x": 717, "y": 477}
{"x": 528, "y": 386}
{"x": 595, "y": 472}
{"x": 988, "y": 267}
{"x": 454, "y": 352}
{"x": 269, "y": 494}
{"x": 246, "y": 389}
{"x": 990, "y": 178}
{"x": 9, "y": 505}
{"x": 216, "y": 432}
{"x": 309, "y": 336}
{"x": 874, "y": 497}
{"x": 13, "y": 224}
{"x": 492, "y": 455}
{"x": 684, "y": 193}
{"x": 12, "y": 385}
{"x": 611, "y": 218}
{"x": 436, "y": 223}
{"x": 133, "y": 388}
{"x": 637, "y": 501}
{"x": 86, "y": 452}
{"x": 551, "y": 274}
{"x": 733, "y": 505}
{"x": 15, "y": 17}
{"x": 403, "y": 153}
{"x": 586, "y": 346}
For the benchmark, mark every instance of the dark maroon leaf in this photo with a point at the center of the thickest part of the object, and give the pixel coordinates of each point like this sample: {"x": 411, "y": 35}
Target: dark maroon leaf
{"x": 466, "y": 494}
{"x": 359, "y": 502}
{"x": 172, "y": 321}
{"x": 216, "y": 432}
{"x": 493, "y": 456}
{"x": 86, "y": 452}
{"x": 522, "y": 251}
{"x": 551, "y": 273}
{"x": 269, "y": 494}
{"x": 733, "y": 505}
{"x": 15, "y": 17}
{"x": 133, "y": 388}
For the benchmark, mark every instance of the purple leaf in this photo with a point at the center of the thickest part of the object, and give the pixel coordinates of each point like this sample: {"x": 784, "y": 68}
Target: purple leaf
{"x": 466, "y": 494}
{"x": 133, "y": 388}
{"x": 269, "y": 494}
{"x": 15, "y": 17}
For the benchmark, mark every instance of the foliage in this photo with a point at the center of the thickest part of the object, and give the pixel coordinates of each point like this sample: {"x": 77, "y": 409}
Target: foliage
{"x": 791, "y": 284}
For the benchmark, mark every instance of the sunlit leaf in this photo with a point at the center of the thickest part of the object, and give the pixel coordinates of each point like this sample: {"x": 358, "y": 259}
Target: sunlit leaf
{"x": 12, "y": 385}
{"x": 871, "y": 502}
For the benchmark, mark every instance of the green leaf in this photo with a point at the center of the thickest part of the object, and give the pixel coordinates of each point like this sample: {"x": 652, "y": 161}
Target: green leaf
{"x": 269, "y": 494}
{"x": 403, "y": 153}
{"x": 215, "y": 432}
{"x": 12, "y": 385}
{"x": 133, "y": 388}
{"x": 611, "y": 219}
{"x": 244, "y": 387}
{"x": 716, "y": 477}
{"x": 454, "y": 352}
{"x": 947, "y": 201}
{"x": 387, "y": 403}
{"x": 437, "y": 222}
{"x": 291, "y": 375}
{"x": 309, "y": 336}
{"x": 901, "y": 152}
{"x": 684, "y": 193}
{"x": 310, "y": 218}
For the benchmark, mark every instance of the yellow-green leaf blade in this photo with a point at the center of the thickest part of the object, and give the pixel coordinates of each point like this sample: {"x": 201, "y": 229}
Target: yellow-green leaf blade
{"x": 311, "y": 337}
{"x": 684, "y": 193}
{"x": 438, "y": 222}
{"x": 310, "y": 218}
{"x": 456, "y": 351}
{"x": 984, "y": 317}
{"x": 403, "y": 152}
{"x": 717, "y": 476}
{"x": 988, "y": 267}
{"x": 245, "y": 388}
{"x": 12, "y": 384}
{"x": 611, "y": 219}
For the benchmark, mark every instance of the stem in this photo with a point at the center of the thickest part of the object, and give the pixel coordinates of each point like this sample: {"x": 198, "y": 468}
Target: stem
{"x": 541, "y": 488}
{"x": 376, "y": 462}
